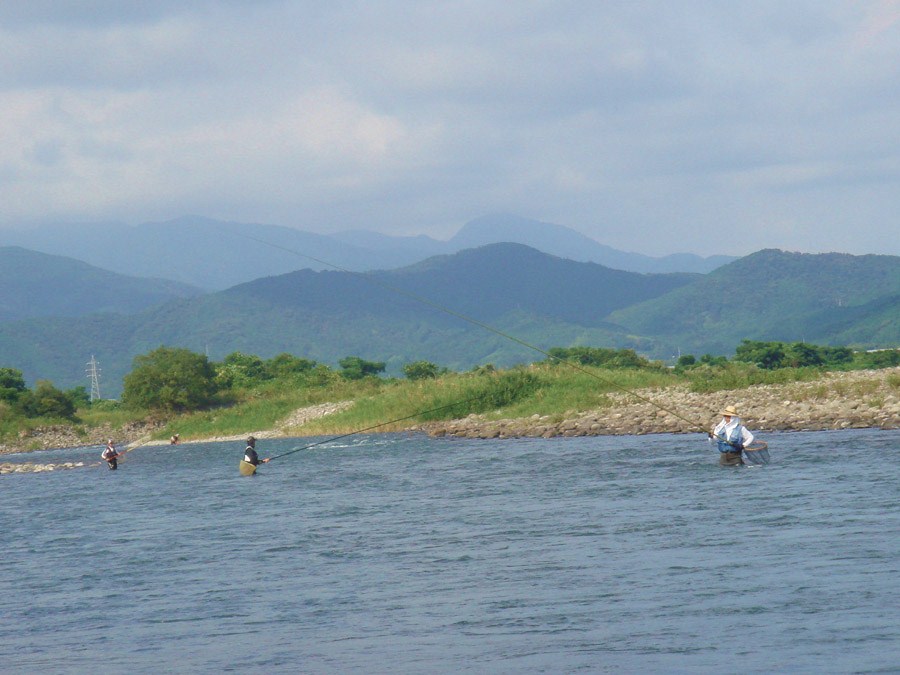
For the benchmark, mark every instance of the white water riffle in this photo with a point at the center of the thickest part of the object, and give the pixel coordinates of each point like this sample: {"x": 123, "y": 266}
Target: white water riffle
{"x": 409, "y": 554}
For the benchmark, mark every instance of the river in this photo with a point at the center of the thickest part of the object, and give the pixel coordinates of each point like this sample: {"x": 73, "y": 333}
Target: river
{"x": 407, "y": 554}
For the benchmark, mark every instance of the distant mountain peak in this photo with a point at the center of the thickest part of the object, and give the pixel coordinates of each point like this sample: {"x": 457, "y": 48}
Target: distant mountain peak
{"x": 567, "y": 242}
{"x": 214, "y": 254}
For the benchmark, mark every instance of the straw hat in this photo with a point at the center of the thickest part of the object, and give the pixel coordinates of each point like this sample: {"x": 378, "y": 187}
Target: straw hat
{"x": 730, "y": 411}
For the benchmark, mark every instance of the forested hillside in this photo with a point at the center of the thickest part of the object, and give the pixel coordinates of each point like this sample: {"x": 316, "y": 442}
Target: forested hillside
{"x": 326, "y": 316}
{"x": 438, "y": 310}
{"x": 833, "y": 298}
{"x": 35, "y": 284}
{"x": 482, "y": 283}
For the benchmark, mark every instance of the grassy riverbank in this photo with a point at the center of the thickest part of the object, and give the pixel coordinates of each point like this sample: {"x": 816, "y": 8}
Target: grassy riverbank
{"x": 553, "y": 392}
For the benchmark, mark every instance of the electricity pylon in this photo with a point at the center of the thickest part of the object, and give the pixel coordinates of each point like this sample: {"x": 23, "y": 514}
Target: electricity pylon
{"x": 93, "y": 371}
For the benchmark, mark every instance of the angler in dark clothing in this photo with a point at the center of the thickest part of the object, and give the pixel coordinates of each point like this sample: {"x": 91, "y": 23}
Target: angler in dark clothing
{"x": 250, "y": 455}
{"x": 111, "y": 456}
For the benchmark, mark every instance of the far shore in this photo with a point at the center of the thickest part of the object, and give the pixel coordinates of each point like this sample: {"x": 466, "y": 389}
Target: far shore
{"x": 839, "y": 400}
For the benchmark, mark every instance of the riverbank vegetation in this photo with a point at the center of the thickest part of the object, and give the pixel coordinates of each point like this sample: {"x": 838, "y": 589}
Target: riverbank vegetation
{"x": 177, "y": 391}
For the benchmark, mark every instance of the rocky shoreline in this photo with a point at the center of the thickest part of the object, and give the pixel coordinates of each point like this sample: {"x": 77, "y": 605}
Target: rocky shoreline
{"x": 841, "y": 400}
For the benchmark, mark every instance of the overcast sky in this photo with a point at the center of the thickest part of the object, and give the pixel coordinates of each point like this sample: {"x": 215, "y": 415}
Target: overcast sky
{"x": 651, "y": 126}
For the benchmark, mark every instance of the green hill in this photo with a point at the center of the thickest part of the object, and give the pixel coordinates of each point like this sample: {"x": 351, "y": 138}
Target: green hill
{"x": 832, "y": 298}
{"x": 326, "y": 316}
{"x": 537, "y": 298}
{"x": 482, "y": 283}
{"x": 40, "y": 285}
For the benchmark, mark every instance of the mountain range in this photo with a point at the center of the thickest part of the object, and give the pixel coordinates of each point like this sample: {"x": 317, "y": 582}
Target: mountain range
{"x": 36, "y": 284}
{"x": 457, "y": 310}
{"x": 215, "y": 255}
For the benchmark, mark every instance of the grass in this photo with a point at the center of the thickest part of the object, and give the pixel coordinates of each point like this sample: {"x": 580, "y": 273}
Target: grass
{"x": 520, "y": 392}
{"x": 869, "y": 391}
{"x": 262, "y": 408}
{"x": 114, "y": 416}
{"x": 706, "y": 380}
{"x": 544, "y": 389}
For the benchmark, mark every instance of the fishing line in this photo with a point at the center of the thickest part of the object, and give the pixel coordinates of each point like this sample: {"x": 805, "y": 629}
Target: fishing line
{"x": 134, "y": 445}
{"x": 430, "y": 303}
{"x": 377, "y": 426}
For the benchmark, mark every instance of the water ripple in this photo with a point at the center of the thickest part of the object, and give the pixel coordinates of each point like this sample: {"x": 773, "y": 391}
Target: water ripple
{"x": 400, "y": 553}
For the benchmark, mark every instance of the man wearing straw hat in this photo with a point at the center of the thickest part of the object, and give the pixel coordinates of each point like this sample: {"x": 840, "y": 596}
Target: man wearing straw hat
{"x": 731, "y": 437}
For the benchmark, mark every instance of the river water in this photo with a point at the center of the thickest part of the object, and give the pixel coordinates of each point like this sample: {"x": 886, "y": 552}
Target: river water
{"x": 407, "y": 554}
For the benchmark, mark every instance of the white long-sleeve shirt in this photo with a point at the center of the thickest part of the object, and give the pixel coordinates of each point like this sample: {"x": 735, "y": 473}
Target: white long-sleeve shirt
{"x": 729, "y": 431}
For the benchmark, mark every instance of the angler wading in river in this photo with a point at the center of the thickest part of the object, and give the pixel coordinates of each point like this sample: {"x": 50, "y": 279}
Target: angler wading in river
{"x": 251, "y": 459}
{"x": 111, "y": 455}
{"x": 731, "y": 437}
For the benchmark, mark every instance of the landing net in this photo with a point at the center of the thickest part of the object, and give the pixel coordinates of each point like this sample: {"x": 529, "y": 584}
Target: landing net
{"x": 756, "y": 453}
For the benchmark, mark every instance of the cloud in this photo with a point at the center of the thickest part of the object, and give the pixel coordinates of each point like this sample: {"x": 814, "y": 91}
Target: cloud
{"x": 880, "y": 18}
{"x": 651, "y": 126}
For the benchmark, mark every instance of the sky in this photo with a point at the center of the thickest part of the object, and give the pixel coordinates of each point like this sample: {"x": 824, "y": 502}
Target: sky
{"x": 651, "y": 126}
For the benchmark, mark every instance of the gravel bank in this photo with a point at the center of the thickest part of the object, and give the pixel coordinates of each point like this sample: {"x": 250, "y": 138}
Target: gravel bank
{"x": 850, "y": 400}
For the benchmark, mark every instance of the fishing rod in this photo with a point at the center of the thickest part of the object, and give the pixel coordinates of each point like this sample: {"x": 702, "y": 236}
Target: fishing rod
{"x": 134, "y": 445}
{"x": 430, "y": 303}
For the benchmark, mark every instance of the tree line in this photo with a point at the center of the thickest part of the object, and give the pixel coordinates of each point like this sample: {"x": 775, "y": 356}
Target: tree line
{"x": 776, "y": 355}
{"x": 176, "y": 380}
{"x": 173, "y": 379}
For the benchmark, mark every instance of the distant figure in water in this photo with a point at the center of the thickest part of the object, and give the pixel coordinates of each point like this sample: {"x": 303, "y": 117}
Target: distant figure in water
{"x": 111, "y": 455}
{"x": 731, "y": 436}
{"x": 174, "y": 440}
{"x": 250, "y": 455}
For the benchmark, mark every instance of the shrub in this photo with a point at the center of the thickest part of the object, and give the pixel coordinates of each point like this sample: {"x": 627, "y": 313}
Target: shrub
{"x": 600, "y": 357}
{"x": 170, "y": 379}
{"x": 355, "y": 368}
{"x": 12, "y": 384}
{"x": 422, "y": 370}
{"x": 241, "y": 370}
{"x": 46, "y": 401}
{"x": 287, "y": 364}
{"x": 481, "y": 393}
{"x": 884, "y": 358}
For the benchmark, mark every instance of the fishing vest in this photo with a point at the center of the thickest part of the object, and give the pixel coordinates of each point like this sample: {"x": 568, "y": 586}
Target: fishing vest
{"x": 733, "y": 438}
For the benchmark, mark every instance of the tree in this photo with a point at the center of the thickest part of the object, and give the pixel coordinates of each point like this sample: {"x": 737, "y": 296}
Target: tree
{"x": 768, "y": 355}
{"x": 710, "y": 360}
{"x": 171, "y": 380}
{"x": 287, "y": 364}
{"x": 600, "y": 356}
{"x": 800, "y": 354}
{"x": 242, "y": 370}
{"x": 883, "y": 358}
{"x": 79, "y": 396}
{"x": 772, "y": 355}
{"x": 422, "y": 370}
{"x": 47, "y": 401}
{"x": 355, "y": 368}
{"x": 834, "y": 356}
{"x": 12, "y": 384}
